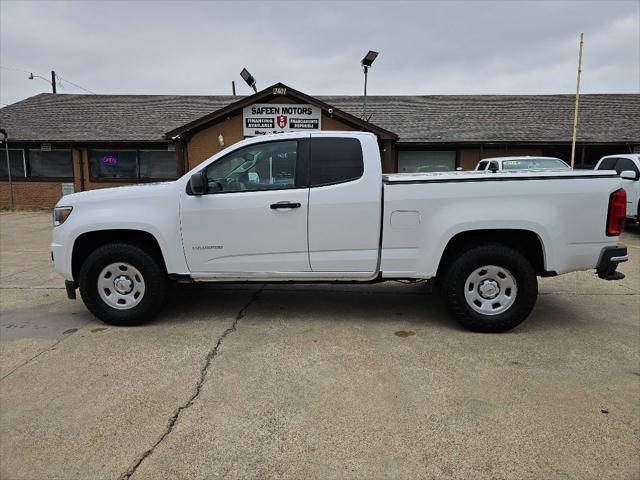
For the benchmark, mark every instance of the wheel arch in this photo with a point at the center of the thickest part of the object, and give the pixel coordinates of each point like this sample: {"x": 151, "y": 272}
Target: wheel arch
{"x": 526, "y": 242}
{"x": 87, "y": 242}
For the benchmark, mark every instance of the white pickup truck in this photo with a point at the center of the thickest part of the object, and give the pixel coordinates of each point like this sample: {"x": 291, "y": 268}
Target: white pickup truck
{"x": 628, "y": 167}
{"x": 315, "y": 207}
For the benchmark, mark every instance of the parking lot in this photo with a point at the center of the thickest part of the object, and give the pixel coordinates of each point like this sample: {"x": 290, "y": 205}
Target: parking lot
{"x": 312, "y": 381}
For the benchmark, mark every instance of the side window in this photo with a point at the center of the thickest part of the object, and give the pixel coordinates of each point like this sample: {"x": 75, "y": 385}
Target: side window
{"x": 607, "y": 164}
{"x": 55, "y": 163}
{"x": 335, "y": 160}
{"x": 625, "y": 164}
{"x": 482, "y": 165}
{"x": 264, "y": 166}
{"x": 16, "y": 163}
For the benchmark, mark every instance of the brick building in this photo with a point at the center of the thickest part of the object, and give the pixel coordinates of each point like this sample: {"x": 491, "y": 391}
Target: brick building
{"x": 62, "y": 143}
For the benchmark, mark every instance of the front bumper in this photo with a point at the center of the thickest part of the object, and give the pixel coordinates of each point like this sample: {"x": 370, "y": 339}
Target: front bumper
{"x": 609, "y": 260}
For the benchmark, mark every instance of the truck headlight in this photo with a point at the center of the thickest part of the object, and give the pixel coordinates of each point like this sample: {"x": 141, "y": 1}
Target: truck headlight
{"x": 60, "y": 214}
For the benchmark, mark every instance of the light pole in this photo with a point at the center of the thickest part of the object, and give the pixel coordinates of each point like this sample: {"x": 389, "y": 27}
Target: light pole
{"x": 247, "y": 77}
{"x": 52, "y": 82}
{"x": 366, "y": 64}
{"x": 3, "y": 132}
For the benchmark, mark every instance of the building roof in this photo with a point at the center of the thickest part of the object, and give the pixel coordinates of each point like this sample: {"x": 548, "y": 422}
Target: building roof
{"x": 606, "y": 118}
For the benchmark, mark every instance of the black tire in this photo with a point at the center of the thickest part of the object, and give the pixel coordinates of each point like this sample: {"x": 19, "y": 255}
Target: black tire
{"x": 457, "y": 273}
{"x": 155, "y": 284}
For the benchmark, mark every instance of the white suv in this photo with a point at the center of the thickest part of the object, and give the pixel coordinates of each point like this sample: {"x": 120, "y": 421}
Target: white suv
{"x": 630, "y": 164}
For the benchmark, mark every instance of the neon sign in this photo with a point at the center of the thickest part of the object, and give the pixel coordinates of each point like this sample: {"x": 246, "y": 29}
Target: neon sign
{"x": 109, "y": 160}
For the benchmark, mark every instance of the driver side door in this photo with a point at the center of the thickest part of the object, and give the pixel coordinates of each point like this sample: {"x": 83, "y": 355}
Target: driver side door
{"x": 253, "y": 219}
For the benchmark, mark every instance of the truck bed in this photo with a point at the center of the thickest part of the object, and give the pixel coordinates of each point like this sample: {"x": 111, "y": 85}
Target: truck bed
{"x": 567, "y": 210}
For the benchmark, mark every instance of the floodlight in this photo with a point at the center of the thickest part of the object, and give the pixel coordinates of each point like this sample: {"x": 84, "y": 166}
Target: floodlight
{"x": 247, "y": 77}
{"x": 369, "y": 58}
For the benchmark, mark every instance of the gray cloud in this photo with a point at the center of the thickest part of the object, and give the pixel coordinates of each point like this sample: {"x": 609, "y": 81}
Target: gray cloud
{"x": 426, "y": 47}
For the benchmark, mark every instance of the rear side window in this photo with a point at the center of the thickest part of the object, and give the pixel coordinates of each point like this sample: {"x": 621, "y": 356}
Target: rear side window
{"x": 608, "y": 164}
{"x": 335, "y": 160}
{"x": 625, "y": 164}
{"x": 482, "y": 165}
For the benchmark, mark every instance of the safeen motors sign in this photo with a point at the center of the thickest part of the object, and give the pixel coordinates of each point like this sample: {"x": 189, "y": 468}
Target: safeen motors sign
{"x": 263, "y": 118}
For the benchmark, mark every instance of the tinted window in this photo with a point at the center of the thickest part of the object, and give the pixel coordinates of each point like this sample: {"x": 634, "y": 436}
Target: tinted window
{"x": 335, "y": 160}
{"x": 16, "y": 161}
{"x": 264, "y": 166}
{"x": 418, "y": 161}
{"x": 482, "y": 165}
{"x": 607, "y": 164}
{"x": 625, "y": 164}
{"x": 56, "y": 163}
{"x": 113, "y": 163}
{"x": 158, "y": 164}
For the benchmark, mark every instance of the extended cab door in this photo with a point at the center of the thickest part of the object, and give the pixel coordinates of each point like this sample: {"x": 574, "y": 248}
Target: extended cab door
{"x": 345, "y": 201}
{"x": 253, "y": 220}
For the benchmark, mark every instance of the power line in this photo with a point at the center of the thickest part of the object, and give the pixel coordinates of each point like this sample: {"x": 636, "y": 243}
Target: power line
{"x": 58, "y": 76}
{"x": 75, "y": 85}
{"x": 15, "y": 69}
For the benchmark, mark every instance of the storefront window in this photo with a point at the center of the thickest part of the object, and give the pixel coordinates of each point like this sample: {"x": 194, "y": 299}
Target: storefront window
{"x": 416, "y": 161}
{"x": 54, "y": 163}
{"x": 158, "y": 164}
{"x": 133, "y": 164}
{"x": 16, "y": 161}
{"x": 113, "y": 163}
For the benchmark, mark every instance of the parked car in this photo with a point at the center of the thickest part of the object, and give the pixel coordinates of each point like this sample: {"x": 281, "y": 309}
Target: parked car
{"x": 522, "y": 163}
{"x": 329, "y": 215}
{"x": 627, "y": 165}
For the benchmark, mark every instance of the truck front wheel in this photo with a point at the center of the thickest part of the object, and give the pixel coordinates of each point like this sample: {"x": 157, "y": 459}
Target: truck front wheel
{"x": 122, "y": 284}
{"x": 490, "y": 288}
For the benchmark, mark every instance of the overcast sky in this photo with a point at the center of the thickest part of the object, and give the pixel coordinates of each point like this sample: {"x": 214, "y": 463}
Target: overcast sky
{"x": 162, "y": 47}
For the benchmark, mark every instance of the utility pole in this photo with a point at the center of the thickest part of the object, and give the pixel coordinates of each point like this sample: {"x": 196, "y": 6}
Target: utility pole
{"x": 575, "y": 113}
{"x": 53, "y": 81}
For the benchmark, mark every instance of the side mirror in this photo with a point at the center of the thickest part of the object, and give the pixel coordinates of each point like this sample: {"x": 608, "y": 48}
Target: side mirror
{"x": 198, "y": 184}
{"x": 493, "y": 167}
{"x": 629, "y": 175}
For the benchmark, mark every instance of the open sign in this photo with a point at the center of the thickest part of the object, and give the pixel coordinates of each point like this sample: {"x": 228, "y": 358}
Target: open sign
{"x": 109, "y": 160}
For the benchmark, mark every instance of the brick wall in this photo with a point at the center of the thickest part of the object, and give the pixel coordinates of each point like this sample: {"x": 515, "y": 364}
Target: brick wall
{"x": 468, "y": 158}
{"x": 31, "y": 194}
{"x": 205, "y": 143}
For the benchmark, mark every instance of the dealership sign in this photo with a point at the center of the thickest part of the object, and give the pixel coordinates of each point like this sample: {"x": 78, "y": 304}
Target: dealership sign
{"x": 263, "y": 118}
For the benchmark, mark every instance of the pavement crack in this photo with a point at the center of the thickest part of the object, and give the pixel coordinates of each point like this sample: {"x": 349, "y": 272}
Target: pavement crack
{"x": 211, "y": 355}
{"x": 48, "y": 349}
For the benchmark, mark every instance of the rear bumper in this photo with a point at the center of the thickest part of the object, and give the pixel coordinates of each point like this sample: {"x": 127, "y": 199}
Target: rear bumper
{"x": 609, "y": 260}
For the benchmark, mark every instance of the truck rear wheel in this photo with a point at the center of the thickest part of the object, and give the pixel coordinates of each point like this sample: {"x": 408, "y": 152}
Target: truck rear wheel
{"x": 122, "y": 284}
{"x": 490, "y": 288}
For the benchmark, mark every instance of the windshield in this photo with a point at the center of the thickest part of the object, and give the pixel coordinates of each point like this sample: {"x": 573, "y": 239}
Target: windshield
{"x": 533, "y": 163}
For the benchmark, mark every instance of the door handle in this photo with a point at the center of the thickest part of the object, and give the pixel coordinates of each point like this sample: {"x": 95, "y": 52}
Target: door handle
{"x": 279, "y": 205}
